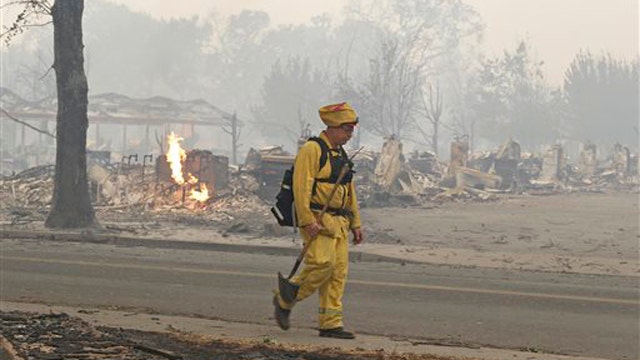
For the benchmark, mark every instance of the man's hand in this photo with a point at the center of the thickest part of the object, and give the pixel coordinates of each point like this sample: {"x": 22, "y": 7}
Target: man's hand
{"x": 358, "y": 236}
{"x": 312, "y": 230}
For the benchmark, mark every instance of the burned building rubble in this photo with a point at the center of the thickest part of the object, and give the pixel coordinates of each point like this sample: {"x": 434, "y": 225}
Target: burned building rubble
{"x": 266, "y": 166}
{"x": 384, "y": 178}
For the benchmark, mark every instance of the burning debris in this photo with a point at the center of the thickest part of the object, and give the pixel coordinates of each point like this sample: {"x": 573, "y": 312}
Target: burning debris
{"x": 176, "y": 157}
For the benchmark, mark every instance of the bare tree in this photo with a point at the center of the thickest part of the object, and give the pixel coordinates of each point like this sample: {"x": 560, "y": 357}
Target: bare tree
{"x": 433, "y": 112}
{"x": 388, "y": 99}
{"x": 71, "y": 204}
{"x": 414, "y": 36}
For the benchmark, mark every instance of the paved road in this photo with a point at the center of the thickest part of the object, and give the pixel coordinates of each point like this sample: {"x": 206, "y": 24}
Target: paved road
{"x": 593, "y": 316}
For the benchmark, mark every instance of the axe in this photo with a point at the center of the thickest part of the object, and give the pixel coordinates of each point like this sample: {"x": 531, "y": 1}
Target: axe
{"x": 289, "y": 290}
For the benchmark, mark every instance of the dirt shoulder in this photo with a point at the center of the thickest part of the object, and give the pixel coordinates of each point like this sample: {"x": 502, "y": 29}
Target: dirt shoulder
{"x": 590, "y": 233}
{"x": 576, "y": 232}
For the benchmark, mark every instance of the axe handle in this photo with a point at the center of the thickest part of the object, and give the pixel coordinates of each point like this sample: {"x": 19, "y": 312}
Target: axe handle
{"x": 343, "y": 172}
{"x": 299, "y": 259}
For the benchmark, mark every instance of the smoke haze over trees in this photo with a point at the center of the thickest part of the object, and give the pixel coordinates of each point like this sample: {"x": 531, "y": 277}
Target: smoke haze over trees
{"x": 383, "y": 57}
{"x": 602, "y": 91}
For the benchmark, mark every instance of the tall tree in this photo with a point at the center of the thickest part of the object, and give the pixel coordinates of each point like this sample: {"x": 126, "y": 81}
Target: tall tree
{"x": 71, "y": 204}
{"x": 391, "y": 93}
{"x": 514, "y": 100}
{"x": 602, "y": 98}
{"x": 236, "y": 62}
{"x": 174, "y": 56}
{"x": 153, "y": 57}
{"x": 290, "y": 95}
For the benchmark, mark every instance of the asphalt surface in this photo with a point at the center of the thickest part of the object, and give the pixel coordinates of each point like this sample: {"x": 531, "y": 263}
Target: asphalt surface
{"x": 259, "y": 331}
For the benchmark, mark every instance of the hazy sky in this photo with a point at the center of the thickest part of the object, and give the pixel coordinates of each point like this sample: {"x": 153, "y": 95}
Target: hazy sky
{"x": 558, "y": 29}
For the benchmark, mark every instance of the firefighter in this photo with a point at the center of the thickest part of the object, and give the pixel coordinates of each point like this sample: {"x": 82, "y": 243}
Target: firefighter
{"x": 326, "y": 261}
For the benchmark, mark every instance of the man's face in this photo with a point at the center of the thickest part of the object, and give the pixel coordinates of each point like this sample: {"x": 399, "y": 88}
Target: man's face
{"x": 344, "y": 133}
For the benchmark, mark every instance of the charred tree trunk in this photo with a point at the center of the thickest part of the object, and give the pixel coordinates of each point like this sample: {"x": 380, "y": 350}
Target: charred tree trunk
{"x": 71, "y": 204}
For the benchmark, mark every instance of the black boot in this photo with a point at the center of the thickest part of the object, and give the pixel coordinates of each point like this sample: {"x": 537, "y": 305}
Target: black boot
{"x": 338, "y": 333}
{"x": 281, "y": 314}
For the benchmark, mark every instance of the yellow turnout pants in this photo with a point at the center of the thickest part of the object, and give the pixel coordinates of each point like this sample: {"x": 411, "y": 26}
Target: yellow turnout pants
{"x": 325, "y": 269}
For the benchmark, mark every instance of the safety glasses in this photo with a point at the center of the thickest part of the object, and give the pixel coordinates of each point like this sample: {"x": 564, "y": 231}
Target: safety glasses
{"x": 348, "y": 127}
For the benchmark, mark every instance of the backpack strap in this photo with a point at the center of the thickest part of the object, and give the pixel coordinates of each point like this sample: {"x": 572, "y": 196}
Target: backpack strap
{"x": 324, "y": 150}
{"x": 324, "y": 153}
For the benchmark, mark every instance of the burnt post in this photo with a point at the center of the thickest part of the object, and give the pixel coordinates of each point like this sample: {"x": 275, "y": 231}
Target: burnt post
{"x": 234, "y": 131}
{"x": 144, "y": 164}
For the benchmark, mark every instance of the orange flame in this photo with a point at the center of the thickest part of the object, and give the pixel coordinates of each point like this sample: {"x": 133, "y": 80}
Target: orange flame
{"x": 176, "y": 155}
{"x": 201, "y": 195}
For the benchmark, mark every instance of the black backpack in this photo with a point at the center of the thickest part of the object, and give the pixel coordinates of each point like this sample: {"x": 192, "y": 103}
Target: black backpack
{"x": 283, "y": 209}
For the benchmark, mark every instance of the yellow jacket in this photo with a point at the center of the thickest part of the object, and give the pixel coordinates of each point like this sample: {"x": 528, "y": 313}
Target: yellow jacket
{"x": 306, "y": 170}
